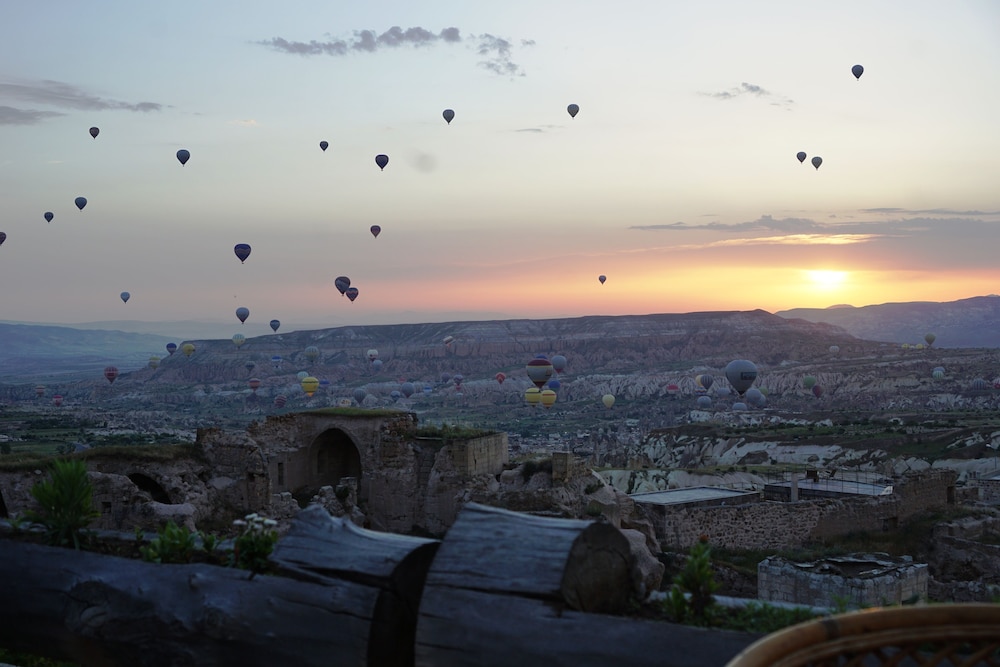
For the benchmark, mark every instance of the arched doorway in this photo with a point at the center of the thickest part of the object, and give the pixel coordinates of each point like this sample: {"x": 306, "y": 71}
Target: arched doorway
{"x": 332, "y": 456}
{"x": 150, "y": 486}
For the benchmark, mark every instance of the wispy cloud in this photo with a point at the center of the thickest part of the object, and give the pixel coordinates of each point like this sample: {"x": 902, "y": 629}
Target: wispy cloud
{"x": 12, "y": 116}
{"x": 752, "y": 90}
{"x": 245, "y": 122}
{"x": 496, "y": 53}
{"x": 64, "y": 96}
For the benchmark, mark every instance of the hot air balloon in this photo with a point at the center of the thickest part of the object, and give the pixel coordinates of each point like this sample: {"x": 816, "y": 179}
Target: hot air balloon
{"x": 48, "y": 216}
{"x": 539, "y": 371}
{"x": 80, "y": 202}
{"x": 448, "y": 340}
{"x": 834, "y": 349}
{"x": 533, "y": 395}
{"x": 573, "y": 110}
{"x": 57, "y": 400}
{"x": 376, "y": 365}
{"x": 548, "y": 398}
{"x": 183, "y": 156}
{"x": 706, "y": 381}
{"x": 187, "y": 349}
{"x": 407, "y": 388}
{"x": 3, "y": 237}
{"x": 553, "y": 384}
{"x": 458, "y": 378}
{"x": 312, "y": 353}
{"x": 309, "y": 385}
{"x": 242, "y": 314}
{"x": 171, "y": 348}
{"x": 359, "y": 395}
{"x": 154, "y": 362}
{"x": 857, "y": 71}
{"x": 324, "y": 145}
{"x": 500, "y": 377}
{"x": 602, "y": 278}
{"x": 254, "y": 384}
{"x": 756, "y": 397}
{"x": 372, "y": 354}
{"x": 608, "y": 400}
{"x": 324, "y": 384}
{"x": 449, "y": 115}
{"x": 94, "y": 131}
{"x": 395, "y": 395}
{"x": 280, "y": 400}
{"x": 342, "y": 283}
{"x": 238, "y": 340}
{"x": 381, "y": 161}
{"x": 809, "y": 381}
{"x": 125, "y": 297}
{"x": 938, "y": 374}
{"x": 275, "y": 324}
{"x": 111, "y": 373}
{"x": 276, "y": 361}
{"x": 242, "y": 251}
{"x": 817, "y": 161}
{"x": 445, "y": 377}
{"x": 929, "y": 339}
{"x": 375, "y": 230}
{"x": 817, "y": 390}
{"x": 741, "y": 375}
{"x": 801, "y": 155}
{"x": 558, "y": 363}
{"x": 704, "y": 402}
{"x": 39, "y": 390}
{"x": 739, "y": 406}
{"x": 352, "y": 293}
{"x": 301, "y": 375}
{"x": 250, "y": 365}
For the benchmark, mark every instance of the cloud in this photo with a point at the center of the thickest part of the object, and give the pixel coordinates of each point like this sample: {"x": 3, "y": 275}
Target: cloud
{"x": 12, "y": 116}
{"x": 764, "y": 222}
{"x": 62, "y": 95}
{"x": 245, "y": 122}
{"x": 496, "y": 52}
{"x": 932, "y": 211}
{"x": 752, "y": 90}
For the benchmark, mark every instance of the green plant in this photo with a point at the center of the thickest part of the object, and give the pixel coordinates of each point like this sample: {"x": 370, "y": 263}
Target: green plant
{"x": 254, "y": 543}
{"x": 690, "y": 596}
{"x": 173, "y": 544}
{"x": 67, "y": 502}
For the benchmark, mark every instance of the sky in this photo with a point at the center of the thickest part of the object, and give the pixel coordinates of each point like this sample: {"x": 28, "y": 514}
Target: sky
{"x": 677, "y": 180}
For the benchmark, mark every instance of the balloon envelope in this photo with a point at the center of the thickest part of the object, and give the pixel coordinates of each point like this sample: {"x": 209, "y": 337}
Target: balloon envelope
{"x": 171, "y": 348}
{"x": 449, "y": 115}
{"x": 280, "y": 400}
{"x": 3, "y": 237}
{"x": 539, "y": 371}
{"x": 817, "y": 161}
{"x": 183, "y": 156}
{"x": 187, "y": 349}
{"x": 741, "y": 374}
{"x": 608, "y": 400}
{"x": 381, "y": 160}
{"x": 533, "y": 395}
{"x": 559, "y": 363}
{"x": 94, "y": 131}
{"x": 407, "y": 389}
{"x": 57, "y": 400}
{"x": 359, "y": 395}
{"x": 930, "y": 338}
{"x": 324, "y": 145}
{"x": 242, "y": 313}
{"x": 310, "y": 385}
{"x": 573, "y": 110}
{"x": 342, "y": 283}
{"x": 817, "y": 391}
{"x": 48, "y": 216}
{"x": 239, "y": 340}
{"x": 377, "y": 364}
{"x": 500, "y": 377}
{"x": 352, "y": 293}
{"x": 242, "y": 251}
{"x": 154, "y": 362}
{"x": 80, "y": 202}
{"x": 857, "y": 71}
{"x": 125, "y": 297}
{"x": 548, "y": 398}
{"x": 254, "y": 384}
{"x": 704, "y": 402}
{"x": 375, "y": 230}
{"x": 111, "y": 373}
{"x": 312, "y": 353}
{"x": 602, "y": 279}
{"x": 275, "y": 324}
{"x": 801, "y": 155}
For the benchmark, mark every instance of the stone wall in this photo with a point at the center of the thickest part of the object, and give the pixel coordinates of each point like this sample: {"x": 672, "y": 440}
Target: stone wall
{"x": 486, "y": 455}
{"x": 859, "y": 581}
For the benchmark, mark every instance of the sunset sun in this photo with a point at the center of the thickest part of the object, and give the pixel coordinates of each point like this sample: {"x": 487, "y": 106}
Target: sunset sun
{"x": 826, "y": 280}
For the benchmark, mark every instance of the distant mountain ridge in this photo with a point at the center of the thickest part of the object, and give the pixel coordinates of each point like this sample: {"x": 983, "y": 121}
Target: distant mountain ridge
{"x": 972, "y": 322}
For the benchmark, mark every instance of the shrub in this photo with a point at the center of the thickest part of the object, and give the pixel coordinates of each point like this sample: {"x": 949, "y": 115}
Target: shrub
{"x": 174, "y": 544}
{"x": 67, "y": 501}
{"x": 254, "y": 543}
{"x": 690, "y": 597}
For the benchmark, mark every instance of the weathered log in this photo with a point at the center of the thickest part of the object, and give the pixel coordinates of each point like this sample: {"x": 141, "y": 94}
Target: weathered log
{"x": 508, "y": 589}
{"x": 326, "y": 550}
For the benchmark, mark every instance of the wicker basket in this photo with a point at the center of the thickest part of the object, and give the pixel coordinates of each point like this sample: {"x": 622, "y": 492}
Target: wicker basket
{"x": 942, "y": 635}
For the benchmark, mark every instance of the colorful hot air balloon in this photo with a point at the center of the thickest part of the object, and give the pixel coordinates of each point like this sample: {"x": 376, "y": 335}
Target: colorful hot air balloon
{"x": 817, "y": 161}
{"x": 302, "y": 375}
{"x": 801, "y": 155}
{"x": 39, "y": 390}
{"x": 242, "y": 314}
{"x": 372, "y": 354}
{"x": 342, "y": 283}
{"x": 352, "y": 293}
{"x": 602, "y": 278}
{"x": 809, "y": 381}
{"x": 171, "y": 348}
{"x": 48, "y": 216}
{"x": 312, "y": 353}
{"x": 250, "y": 365}
{"x": 111, "y": 373}
{"x": 254, "y": 384}
{"x": 275, "y": 324}
{"x": 448, "y": 115}
{"x": 573, "y": 110}
{"x": 187, "y": 349}
{"x": 407, "y": 389}
{"x": 324, "y": 145}
{"x": 57, "y": 400}
{"x": 242, "y": 251}
{"x": 706, "y": 381}
{"x": 154, "y": 362}
{"x": 183, "y": 156}
{"x": 500, "y": 377}
{"x": 741, "y": 374}
{"x": 448, "y": 340}
{"x": 539, "y": 371}
{"x": 80, "y": 202}
{"x": 608, "y": 400}
{"x": 276, "y": 361}
{"x": 125, "y": 297}
{"x": 548, "y": 398}
{"x": 929, "y": 339}
{"x": 375, "y": 230}
{"x": 280, "y": 400}
{"x": 381, "y": 161}
{"x": 238, "y": 340}
{"x": 558, "y": 363}
{"x": 857, "y": 71}
{"x": 310, "y": 385}
{"x": 94, "y": 131}
{"x": 817, "y": 391}
{"x": 533, "y": 395}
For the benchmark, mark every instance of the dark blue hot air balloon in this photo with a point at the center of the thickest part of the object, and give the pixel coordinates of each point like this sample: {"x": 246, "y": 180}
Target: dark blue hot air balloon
{"x": 242, "y": 313}
{"x": 857, "y": 71}
{"x": 324, "y": 145}
{"x": 275, "y": 324}
{"x": 242, "y": 251}
{"x": 48, "y": 216}
{"x": 80, "y": 202}
{"x": 449, "y": 115}
{"x": 381, "y": 161}
{"x": 183, "y": 156}
{"x": 342, "y": 283}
